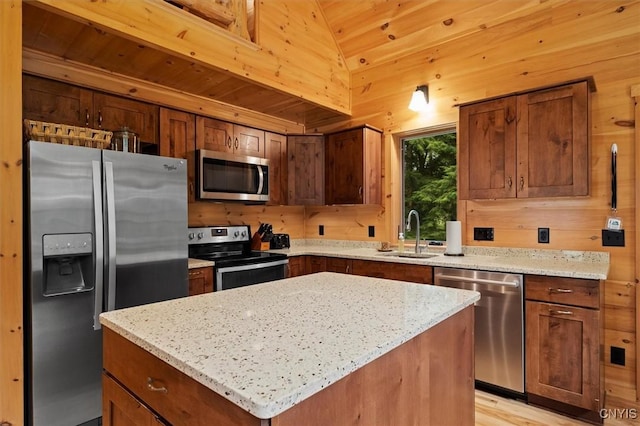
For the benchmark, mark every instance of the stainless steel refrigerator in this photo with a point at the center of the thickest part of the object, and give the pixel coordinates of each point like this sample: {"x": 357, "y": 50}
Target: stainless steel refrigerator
{"x": 105, "y": 230}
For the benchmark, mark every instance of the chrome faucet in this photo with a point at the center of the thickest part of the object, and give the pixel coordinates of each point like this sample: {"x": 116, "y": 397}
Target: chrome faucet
{"x": 415, "y": 213}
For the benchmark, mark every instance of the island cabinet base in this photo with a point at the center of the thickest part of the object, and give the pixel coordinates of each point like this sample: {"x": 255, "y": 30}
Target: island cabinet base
{"x": 428, "y": 380}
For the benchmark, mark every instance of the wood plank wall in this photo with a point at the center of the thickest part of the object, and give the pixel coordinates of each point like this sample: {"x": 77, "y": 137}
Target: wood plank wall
{"x": 11, "y": 332}
{"x": 569, "y": 41}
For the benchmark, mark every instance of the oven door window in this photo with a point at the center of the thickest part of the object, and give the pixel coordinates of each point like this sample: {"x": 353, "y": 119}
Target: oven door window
{"x": 244, "y": 275}
{"x": 234, "y": 177}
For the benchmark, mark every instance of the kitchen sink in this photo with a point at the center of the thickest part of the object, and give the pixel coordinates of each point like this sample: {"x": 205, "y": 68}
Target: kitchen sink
{"x": 409, "y": 254}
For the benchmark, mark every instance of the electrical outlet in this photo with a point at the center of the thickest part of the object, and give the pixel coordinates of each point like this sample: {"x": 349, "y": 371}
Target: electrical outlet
{"x": 543, "y": 235}
{"x": 617, "y": 355}
{"x": 611, "y": 238}
{"x": 372, "y": 231}
{"x": 483, "y": 234}
{"x": 320, "y": 229}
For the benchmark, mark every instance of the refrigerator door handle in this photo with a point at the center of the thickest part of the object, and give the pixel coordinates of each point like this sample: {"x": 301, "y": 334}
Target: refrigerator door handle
{"x": 99, "y": 241}
{"x": 111, "y": 236}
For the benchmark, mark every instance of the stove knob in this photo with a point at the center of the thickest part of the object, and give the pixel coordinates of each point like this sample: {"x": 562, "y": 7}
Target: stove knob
{"x": 235, "y": 234}
{"x": 200, "y": 235}
{"x": 244, "y": 234}
{"x": 191, "y": 235}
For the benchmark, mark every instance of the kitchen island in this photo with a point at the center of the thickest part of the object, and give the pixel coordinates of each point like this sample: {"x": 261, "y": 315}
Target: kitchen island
{"x": 315, "y": 350}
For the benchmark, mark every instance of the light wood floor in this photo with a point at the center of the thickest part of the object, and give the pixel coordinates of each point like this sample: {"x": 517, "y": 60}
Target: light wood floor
{"x": 492, "y": 410}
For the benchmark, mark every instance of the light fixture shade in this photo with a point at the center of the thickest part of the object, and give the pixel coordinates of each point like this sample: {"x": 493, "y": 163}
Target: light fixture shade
{"x": 419, "y": 99}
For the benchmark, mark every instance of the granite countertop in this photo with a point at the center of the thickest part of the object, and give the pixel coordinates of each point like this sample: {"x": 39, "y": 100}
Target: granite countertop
{"x": 559, "y": 263}
{"x": 197, "y": 263}
{"x": 267, "y": 347}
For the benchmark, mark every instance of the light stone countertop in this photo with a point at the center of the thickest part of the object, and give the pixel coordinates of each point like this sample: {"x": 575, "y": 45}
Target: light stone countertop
{"x": 269, "y": 346}
{"x": 197, "y": 263}
{"x": 559, "y": 263}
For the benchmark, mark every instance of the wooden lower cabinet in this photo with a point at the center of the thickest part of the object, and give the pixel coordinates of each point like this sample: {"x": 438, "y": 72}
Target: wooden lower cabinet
{"x": 426, "y": 380}
{"x": 316, "y": 264}
{"x": 339, "y": 264}
{"x": 394, "y": 271}
{"x": 297, "y": 266}
{"x": 120, "y": 408}
{"x": 200, "y": 280}
{"x": 564, "y": 331}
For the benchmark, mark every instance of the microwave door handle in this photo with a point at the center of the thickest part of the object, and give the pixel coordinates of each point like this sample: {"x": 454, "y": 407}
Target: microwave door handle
{"x": 260, "y": 180}
{"x": 111, "y": 237}
{"x": 99, "y": 241}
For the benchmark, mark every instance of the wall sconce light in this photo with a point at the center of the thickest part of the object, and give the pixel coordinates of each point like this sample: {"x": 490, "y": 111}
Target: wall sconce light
{"x": 419, "y": 99}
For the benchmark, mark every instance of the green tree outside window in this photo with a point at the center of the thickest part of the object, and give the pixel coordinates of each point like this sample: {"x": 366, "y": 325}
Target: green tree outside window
{"x": 430, "y": 183}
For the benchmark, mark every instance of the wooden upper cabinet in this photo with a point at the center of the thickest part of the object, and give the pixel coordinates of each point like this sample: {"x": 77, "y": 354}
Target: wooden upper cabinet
{"x": 487, "y": 149}
{"x": 305, "y": 169}
{"x": 55, "y": 102}
{"x": 218, "y": 135}
{"x": 113, "y": 113}
{"x": 553, "y": 142}
{"x": 534, "y": 144}
{"x": 353, "y": 162}
{"x": 276, "y": 153}
{"x": 178, "y": 140}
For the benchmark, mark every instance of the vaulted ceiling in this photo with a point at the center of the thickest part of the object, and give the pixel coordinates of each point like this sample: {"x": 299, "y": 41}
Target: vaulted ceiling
{"x": 370, "y": 32}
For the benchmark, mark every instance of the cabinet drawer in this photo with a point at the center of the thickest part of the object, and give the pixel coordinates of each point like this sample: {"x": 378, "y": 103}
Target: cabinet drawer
{"x": 569, "y": 291}
{"x": 394, "y": 271}
{"x": 176, "y": 397}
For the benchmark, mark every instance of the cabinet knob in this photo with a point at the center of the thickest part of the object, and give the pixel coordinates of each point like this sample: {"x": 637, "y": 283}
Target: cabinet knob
{"x": 229, "y": 142}
{"x": 521, "y": 183}
{"x": 99, "y": 119}
{"x": 86, "y": 117}
{"x": 509, "y": 182}
{"x": 237, "y": 144}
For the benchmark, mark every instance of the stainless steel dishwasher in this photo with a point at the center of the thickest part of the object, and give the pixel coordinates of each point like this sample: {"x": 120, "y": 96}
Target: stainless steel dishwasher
{"x": 499, "y": 324}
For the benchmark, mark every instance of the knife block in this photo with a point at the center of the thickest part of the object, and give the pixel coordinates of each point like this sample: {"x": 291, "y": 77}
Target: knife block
{"x": 258, "y": 244}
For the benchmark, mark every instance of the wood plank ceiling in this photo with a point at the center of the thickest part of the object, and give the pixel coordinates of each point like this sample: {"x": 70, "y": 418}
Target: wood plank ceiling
{"x": 369, "y": 32}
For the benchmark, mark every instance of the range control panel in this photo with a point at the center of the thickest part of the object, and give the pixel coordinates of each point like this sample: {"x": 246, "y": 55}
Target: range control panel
{"x": 219, "y": 234}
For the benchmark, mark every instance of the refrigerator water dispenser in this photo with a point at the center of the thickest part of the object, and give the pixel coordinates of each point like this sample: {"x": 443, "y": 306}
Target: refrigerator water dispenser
{"x": 68, "y": 262}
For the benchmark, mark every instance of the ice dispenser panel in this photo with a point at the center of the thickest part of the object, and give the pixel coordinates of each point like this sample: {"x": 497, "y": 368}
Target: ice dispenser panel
{"x": 68, "y": 262}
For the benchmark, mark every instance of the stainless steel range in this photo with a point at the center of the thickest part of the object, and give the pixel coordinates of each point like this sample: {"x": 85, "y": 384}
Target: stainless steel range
{"x": 236, "y": 265}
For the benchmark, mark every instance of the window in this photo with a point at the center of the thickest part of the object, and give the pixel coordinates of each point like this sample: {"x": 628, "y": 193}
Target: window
{"x": 429, "y": 182}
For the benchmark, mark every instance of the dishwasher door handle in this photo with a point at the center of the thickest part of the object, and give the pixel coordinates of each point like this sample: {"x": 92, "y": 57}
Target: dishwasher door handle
{"x": 479, "y": 281}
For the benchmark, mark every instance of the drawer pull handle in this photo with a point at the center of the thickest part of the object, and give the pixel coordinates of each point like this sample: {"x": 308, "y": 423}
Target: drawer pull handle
{"x": 195, "y": 274}
{"x": 154, "y": 388}
{"x": 560, "y": 290}
{"x": 557, "y": 312}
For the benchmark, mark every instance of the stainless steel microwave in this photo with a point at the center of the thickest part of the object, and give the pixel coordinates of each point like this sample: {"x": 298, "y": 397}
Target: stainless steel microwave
{"x": 224, "y": 176}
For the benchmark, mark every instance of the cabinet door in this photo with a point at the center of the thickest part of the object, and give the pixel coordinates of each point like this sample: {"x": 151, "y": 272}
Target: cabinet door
{"x": 120, "y": 408}
{"x": 276, "y": 149}
{"x": 553, "y": 142}
{"x": 344, "y": 167}
{"x": 200, "y": 280}
{"x": 316, "y": 264}
{"x": 394, "y": 271}
{"x": 562, "y": 353}
{"x": 214, "y": 135}
{"x": 487, "y": 150}
{"x": 305, "y": 169}
{"x": 55, "y": 102}
{"x": 248, "y": 141}
{"x": 178, "y": 140}
{"x": 296, "y": 266}
{"x": 113, "y": 113}
{"x": 337, "y": 264}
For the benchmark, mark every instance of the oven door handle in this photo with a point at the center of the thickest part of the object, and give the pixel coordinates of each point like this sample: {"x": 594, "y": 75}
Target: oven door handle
{"x": 246, "y": 267}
